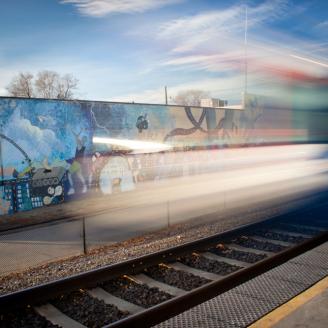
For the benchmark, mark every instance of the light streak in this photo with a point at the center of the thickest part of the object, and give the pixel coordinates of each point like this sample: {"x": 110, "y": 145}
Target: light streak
{"x": 136, "y": 145}
{"x": 309, "y": 60}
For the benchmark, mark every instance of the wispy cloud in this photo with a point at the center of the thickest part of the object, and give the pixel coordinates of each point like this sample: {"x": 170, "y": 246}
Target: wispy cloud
{"x": 213, "y": 41}
{"x": 214, "y": 26}
{"x": 99, "y": 8}
{"x": 322, "y": 25}
{"x": 229, "y": 60}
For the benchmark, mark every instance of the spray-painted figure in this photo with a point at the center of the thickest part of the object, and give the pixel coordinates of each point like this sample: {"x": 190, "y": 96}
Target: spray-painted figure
{"x": 96, "y": 164}
{"x": 76, "y": 163}
{"x": 142, "y": 123}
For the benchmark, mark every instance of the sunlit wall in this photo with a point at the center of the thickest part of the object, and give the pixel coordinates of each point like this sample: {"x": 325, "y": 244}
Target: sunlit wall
{"x": 56, "y": 151}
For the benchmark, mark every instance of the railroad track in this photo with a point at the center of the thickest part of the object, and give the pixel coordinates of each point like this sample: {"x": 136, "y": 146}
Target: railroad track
{"x": 150, "y": 289}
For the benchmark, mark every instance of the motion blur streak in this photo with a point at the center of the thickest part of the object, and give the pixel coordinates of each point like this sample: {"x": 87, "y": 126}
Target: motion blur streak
{"x": 309, "y": 60}
{"x": 215, "y": 185}
{"x": 240, "y": 170}
{"x": 134, "y": 145}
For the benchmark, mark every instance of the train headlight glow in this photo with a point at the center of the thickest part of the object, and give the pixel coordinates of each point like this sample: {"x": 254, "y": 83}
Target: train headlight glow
{"x": 135, "y": 145}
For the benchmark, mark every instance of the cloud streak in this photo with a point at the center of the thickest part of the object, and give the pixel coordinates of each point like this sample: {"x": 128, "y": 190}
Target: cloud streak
{"x": 100, "y": 8}
{"x": 323, "y": 25}
{"x": 213, "y": 41}
{"x": 194, "y": 31}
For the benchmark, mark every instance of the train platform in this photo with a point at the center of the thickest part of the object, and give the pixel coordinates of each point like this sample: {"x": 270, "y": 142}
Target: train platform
{"x": 294, "y": 294}
{"x": 307, "y": 310}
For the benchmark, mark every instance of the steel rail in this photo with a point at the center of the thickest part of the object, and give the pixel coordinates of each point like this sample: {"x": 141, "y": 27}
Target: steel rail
{"x": 43, "y": 292}
{"x": 46, "y": 291}
{"x": 179, "y": 304}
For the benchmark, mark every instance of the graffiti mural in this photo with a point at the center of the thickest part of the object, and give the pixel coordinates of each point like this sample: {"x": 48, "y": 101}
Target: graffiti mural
{"x": 54, "y": 151}
{"x": 41, "y": 152}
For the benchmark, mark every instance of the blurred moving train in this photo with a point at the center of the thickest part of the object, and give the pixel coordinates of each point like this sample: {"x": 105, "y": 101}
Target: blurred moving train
{"x": 98, "y": 148}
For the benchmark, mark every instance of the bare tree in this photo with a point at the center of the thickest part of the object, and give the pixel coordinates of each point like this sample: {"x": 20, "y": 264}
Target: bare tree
{"x": 48, "y": 84}
{"x": 190, "y": 97}
{"x": 21, "y": 85}
{"x": 65, "y": 86}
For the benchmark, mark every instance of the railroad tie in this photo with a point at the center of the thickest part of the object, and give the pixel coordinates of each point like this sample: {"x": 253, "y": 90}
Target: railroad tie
{"x": 197, "y": 272}
{"x": 288, "y": 233}
{"x": 57, "y": 317}
{"x": 108, "y": 298}
{"x": 273, "y": 241}
{"x": 219, "y": 258}
{"x": 174, "y": 291}
{"x": 249, "y": 249}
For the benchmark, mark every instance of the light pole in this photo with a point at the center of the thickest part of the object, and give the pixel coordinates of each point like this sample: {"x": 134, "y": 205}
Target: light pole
{"x": 165, "y": 90}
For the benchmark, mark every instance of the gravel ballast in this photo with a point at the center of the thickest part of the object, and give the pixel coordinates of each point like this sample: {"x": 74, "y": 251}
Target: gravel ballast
{"x": 146, "y": 244}
{"x": 180, "y": 279}
{"x": 87, "y": 310}
{"x": 259, "y": 245}
{"x": 24, "y": 318}
{"x": 297, "y": 229}
{"x": 279, "y": 236}
{"x": 139, "y": 294}
{"x": 199, "y": 262}
{"x": 234, "y": 254}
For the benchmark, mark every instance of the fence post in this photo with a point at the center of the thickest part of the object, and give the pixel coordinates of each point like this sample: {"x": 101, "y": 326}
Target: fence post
{"x": 168, "y": 213}
{"x": 84, "y": 238}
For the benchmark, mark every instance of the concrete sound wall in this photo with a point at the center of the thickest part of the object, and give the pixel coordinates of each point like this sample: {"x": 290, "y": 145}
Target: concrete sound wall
{"x": 54, "y": 151}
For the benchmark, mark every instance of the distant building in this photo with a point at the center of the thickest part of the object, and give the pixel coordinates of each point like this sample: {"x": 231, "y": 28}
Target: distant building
{"x": 213, "y": 102}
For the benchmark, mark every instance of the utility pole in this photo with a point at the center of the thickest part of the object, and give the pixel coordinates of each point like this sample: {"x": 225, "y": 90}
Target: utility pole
{"x": 165, "y": 90}
{"x": 245, "y": 44}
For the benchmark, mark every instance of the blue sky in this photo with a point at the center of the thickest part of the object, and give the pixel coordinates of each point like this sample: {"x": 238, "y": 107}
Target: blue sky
{"x": 129, "y": 49}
